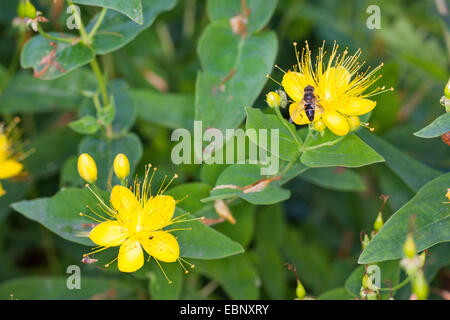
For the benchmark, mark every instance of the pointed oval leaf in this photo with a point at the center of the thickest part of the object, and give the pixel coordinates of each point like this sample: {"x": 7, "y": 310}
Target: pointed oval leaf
{"x": 432, "y": 224}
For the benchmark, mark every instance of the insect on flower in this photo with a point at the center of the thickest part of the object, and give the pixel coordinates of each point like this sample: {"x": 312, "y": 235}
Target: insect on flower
{"x": 135, "y": 220}
{"x": 331, "y": 91}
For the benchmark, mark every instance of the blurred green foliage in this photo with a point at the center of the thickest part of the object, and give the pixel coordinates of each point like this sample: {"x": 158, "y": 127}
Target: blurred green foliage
{"x": 160, "y": 72}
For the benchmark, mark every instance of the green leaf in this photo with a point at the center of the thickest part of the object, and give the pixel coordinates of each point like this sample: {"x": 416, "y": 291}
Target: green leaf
{"x": 15, "y": 191}
{"x": 191, "y": 193}
{"x": 61, "y": 213}
{"x": 117, "y": 30}
{"x": 121, "y": 113}
{"x": 46, "y": 161}
{"x": 339, "y": 179}
{"x": 243, "y": 230}
{"x": 107, "y": 113}
{"x": 67, "y": 57}
{"x": 49, "y": 288}
{"x": 336, "y": 294}
{"x": 259, "y": 14}
{"x": 312, "y": 263}
{"x": 159, "y": 288}
{"x": 288, "y": 148}
{"x": 437, "y": 128}
{"x": 28, "y": 94}
{"x": 242, "y": 175}
{"x": 203, "y": 242}
{"x": 389, "y": 272}
{"x": 351, "y": 151}
{"x": 130, "y": 8}
{"x": 152, "y": 107}
{"x": 86, "y": 125}
{"x": 270, "y": 226}
{"x": 211, "y": 172}
{"x": 431, "y": 226}
{"x": 104, "y": 151}
{"x": 271, "y": 268}
{"x": 235, "y": 274}
{"x": 414, "y": 173}
{"x": 234, "y": 73}
{"x": 69, "y": 176}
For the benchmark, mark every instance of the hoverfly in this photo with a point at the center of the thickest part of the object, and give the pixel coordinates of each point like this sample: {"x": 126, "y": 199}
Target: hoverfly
{"x": 308, "y": 104}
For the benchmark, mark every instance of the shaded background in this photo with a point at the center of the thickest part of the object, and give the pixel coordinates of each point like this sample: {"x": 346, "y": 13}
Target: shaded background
{"x": 318, "y": 228}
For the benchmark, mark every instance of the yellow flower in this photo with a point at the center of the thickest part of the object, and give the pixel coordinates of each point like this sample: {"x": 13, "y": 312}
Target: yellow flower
{"x": 2, "y": 191}
{"x": 87, "y": 168}
{"x": 121, "y": 166}
{"x": 9, "y": 164}
{"x": 339, "y": 88}
{"x": 137, "y": 220}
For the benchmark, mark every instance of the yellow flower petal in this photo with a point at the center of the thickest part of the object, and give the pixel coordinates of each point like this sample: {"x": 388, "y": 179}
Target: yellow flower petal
{"x": 4, "y": 146}
{"x": 108, "y": 234}
{"x": 163, "y": 246}
{"x": 131, "y": 257}
{"x": 336, "y": 123}
{"x": 9, "y": 169}
{"x": 158, "y": 211}
{"x": 293, "y": 83}
{"x": 2, "y": 191}
{"x": 125, "y": 203}
{"x": 357, "y": 107}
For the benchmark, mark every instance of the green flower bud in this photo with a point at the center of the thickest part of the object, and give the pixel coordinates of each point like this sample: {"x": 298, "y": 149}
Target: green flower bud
{"x": 25, "y": 9}
{"x": 409, "y": 248}
{"x": 422, "y": 258}
{"x": 420, "y": 286}
{"x": 366, "y": 282}
{"x": 21, "y": 9}
{"x": 378, "y": 222}
{"x": 365, "y": 241}
{"x": 300, "y": 290}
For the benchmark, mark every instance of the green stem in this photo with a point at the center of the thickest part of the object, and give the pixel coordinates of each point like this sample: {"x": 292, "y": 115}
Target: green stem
{"x": 399, "y": 286}
{"x": 286, "y": 124}
{"x": 101, "y": 81}
{"x": 50, "y": 37}
{"x": 84, "y": 36}
{"x": 97, "y": 23}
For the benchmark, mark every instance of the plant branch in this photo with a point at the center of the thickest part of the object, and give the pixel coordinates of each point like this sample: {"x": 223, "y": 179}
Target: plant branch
{"x": 99, "y": 21}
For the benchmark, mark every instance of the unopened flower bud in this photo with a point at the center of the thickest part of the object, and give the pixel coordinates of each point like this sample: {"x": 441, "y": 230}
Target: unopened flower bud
{"x": 319, "y": 125}
{"x": 284, "y": 99}
{"x": 121, "y": 166}
{"x": 420, "y": 286}
{"x": 378, "y": 222}
{"x": 422, "y": 258}
{"x": 353, "y": 122}
{"x": 300, "y": 290}
{"x": 25, "y": 9}
{"x": 409, "y": 247}
{"x": 365, "y": 241}
{"x": 87, "y": 168}
{"x": 273, "y": 99}
{"x": 366, "y": 281}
